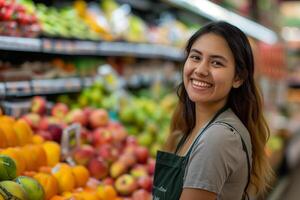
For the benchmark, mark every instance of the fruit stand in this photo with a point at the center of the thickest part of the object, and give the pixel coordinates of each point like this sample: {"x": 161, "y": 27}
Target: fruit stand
{"x": 87, "y": 90}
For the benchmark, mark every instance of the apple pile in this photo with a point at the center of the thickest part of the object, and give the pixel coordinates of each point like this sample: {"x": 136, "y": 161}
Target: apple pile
{"x": 109, "y": 153}
{"x": 144, "y": 117}
{"x": 16, "y": 21}
{"x": 116, "y": 159}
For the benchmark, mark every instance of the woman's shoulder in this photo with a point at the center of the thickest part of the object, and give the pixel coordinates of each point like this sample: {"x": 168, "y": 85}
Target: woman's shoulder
{"x": 228, "y": 123}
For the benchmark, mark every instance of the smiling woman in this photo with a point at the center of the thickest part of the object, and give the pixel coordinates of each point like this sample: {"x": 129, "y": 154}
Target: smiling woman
{"x": 215, "y": 149}
{"x": 209, "y": 72}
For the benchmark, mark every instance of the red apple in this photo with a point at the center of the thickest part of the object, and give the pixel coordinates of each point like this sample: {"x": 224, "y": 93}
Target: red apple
{"x": 151, "y": 166}
{"x": 108, "y": 152}
{"x": 119, "y": 135}
{"x": 86, "y": 135}
{"x": 131, "y": 140}
{"x": 56, "y": 131}
{"x": 59, "y": 110}
{"x": 83, "y": 154}
{"x": 76, "y": 116}
{"x": 145, "y": 182}
{"x": 88, "y": 111}
{"x": 33, "y": 119}
{"x": 98, "y": 118}
{"x": 141, "y": 195}
{"x": 142, "y": 154}
{"x": 109, "y": 181}
{"x": 45, "y": 134}
{"x": 128, "y": 159}
{"x": 129, "y": 149}
{"x": 38, "y": 105}
{"x": 98, "y": 168}
{"x": 102, "y": 136}
{"x": 126, "y": 184}
{"x": 44, "y": 123}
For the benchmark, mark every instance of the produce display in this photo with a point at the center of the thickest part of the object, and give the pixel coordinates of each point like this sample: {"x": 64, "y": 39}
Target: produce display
{"x": 16, "y": 20}
{"x": 108, "y": 165}
{"x": 121, "y": 126}
{"x": 54, "y": 68}
{"x": 144, "y": 116}
{"x": 64, "y": 23}
{"x": 89, "y": 21}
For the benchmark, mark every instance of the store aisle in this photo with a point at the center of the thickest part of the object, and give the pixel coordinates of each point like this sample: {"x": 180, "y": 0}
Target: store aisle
{"x": 292, "y": 191}
{"x": 288, "y": 187}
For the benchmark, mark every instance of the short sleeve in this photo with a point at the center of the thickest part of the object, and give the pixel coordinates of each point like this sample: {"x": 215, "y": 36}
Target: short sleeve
{"x": 213, "y": 159}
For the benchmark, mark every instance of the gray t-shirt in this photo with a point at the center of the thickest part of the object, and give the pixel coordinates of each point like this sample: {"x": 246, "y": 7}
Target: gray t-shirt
{"x": 217, "y": 162}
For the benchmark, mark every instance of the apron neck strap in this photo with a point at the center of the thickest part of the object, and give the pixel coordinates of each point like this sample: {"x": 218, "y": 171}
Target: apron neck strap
{"x": 183, "y": 139}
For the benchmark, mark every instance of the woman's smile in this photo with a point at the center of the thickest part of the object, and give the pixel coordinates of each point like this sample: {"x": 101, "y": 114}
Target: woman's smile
{"x": 200, "y": 85}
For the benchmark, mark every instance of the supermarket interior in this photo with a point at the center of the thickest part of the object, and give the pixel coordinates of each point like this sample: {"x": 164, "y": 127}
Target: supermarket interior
{"x": 88, "y": 88}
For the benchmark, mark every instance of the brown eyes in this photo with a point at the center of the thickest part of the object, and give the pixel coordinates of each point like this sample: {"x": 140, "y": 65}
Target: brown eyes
{"x": 213, "y": 62}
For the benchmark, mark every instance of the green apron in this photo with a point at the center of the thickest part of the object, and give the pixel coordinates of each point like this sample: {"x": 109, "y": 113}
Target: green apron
{"x": 170, "y": 169}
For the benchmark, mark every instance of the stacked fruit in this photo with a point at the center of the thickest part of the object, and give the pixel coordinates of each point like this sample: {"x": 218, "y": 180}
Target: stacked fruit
{"x": 146, "y": 116}
{"x": 21, "y": 187}
{"x": 148, "y": 119}
{"x": 15, "y": 20}
{"x": 31, "y": 156}
{"x": 121, "y": 163}
{"x": 64, "y": 23}
{"x": 107, "y": 152}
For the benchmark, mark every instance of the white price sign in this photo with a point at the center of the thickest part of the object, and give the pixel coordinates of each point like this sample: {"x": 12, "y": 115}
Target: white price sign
{"x": 70, "y": 141}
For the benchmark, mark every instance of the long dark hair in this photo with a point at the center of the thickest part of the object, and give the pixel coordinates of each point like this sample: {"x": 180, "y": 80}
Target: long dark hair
{"x": 245, "y": 101}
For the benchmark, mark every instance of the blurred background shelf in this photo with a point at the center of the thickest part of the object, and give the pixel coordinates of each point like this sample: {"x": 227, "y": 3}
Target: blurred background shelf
{"x": 90, "y": 48}
{"x": 15, "y": 89}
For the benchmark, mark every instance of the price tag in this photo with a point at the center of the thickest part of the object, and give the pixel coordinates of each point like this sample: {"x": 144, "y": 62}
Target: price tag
{"x": 2, "y": 90}
{"x": 86, "y": 47}
{"x": 70, "y": 141}
{"x": 19, "y": 88}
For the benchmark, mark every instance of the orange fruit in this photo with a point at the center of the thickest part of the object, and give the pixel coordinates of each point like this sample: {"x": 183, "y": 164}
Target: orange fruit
{"x": 106, "y": 192}
{"x": 64, "y": 176}
{"x": 3, "y": 141}
{"x": 52, "y": 150}
{"x": 81, "y": 175}
{"x": 37, "y": 139}
{"x": 11, "y": 137}
{"x": 45, "y": 169}
{"x": 23, "y": 131}
{"x": 89, "y": 195}
{"x": 56, "y": 197}
{"x": 5, "y": 119}
{"x": 41, "y": 155}
{"x": 49, "y": 183}
{"x": 31, "y": 157}
{"x": 29, "y": 173}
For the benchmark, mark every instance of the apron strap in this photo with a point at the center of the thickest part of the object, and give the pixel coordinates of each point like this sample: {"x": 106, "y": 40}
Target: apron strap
{"x": 204, "y": 129}
{"x": 181, "y": 142}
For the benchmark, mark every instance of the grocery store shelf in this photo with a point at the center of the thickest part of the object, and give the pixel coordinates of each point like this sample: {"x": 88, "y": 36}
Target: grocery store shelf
{"x": 140, "y": 50}
{"x": 79, "y": 47}
{"x": 44, "y": 86}
{"x": 20, "y": 44}
{"x": 215, "y": 12}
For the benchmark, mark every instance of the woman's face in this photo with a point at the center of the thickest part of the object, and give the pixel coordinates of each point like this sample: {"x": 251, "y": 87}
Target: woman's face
{"x": 209, "y": 71}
